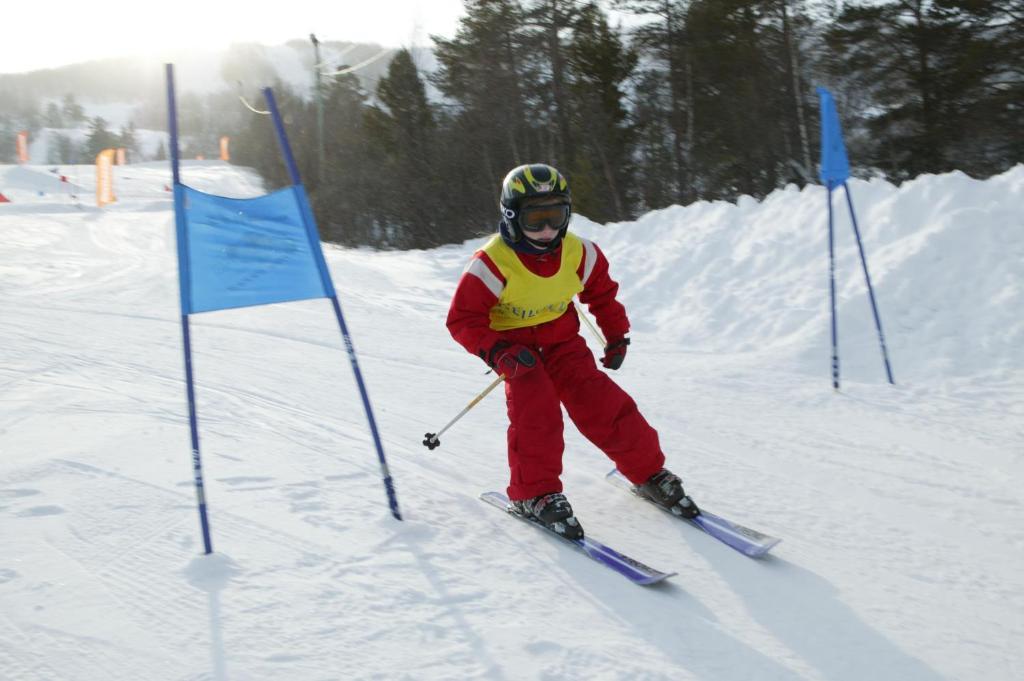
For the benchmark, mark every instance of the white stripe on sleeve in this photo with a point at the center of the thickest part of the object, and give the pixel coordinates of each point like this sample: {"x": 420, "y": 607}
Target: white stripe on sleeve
{"x": 481, "y": 271}
{"x": 589, "y": 258}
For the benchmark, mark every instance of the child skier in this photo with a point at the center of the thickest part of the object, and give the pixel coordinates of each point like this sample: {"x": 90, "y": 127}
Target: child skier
{"x": 513, "y": 308}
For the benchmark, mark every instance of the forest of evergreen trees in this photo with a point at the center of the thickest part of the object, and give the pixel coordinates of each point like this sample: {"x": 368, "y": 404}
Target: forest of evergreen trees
{"x": 699, "y": 99}
{"x": 693, "y": 99}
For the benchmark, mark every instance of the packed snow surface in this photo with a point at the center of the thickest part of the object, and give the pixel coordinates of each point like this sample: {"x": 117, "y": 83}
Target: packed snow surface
{"x": 900, "y": 507}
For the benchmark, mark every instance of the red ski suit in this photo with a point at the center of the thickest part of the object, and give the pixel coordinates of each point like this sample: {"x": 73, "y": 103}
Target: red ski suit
{"x": 567, "y": 374}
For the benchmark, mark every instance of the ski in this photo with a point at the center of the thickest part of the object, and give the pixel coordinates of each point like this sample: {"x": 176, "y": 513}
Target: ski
{"x": 633, "y": 570}
{"x": 745, "y": 540}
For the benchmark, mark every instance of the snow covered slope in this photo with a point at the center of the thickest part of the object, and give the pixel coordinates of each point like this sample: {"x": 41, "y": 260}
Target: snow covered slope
{"x": 900, "y": 507}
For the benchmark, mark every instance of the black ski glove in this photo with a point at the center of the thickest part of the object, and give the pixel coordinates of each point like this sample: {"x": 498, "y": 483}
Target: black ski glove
{"x": 614, "y": 353}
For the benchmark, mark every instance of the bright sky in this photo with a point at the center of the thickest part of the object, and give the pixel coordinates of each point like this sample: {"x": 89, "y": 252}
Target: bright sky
{"x": 65, "y": 32}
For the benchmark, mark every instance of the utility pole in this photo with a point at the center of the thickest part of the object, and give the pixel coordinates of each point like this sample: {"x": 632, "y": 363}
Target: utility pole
{"x": 319, "y": 110}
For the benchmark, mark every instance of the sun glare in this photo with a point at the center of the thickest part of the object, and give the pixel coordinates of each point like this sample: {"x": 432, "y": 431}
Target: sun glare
{"x": 69, "y": 32}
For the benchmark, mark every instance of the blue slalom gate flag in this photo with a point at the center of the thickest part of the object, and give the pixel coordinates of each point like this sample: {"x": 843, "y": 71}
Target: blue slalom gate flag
{"x": 835, "y": 167}
{"x": 835, "y": 170}
{"x": 242, "y": 252}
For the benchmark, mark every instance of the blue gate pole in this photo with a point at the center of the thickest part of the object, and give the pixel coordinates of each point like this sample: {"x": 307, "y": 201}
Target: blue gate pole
{"x": 871, "y": 292}
{"x": 314, "y": 238}
{"x": 184, "y": 276}
{"x": 832, "y": 291}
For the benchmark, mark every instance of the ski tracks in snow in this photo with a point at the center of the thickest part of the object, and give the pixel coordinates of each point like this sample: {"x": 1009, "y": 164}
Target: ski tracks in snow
{"x": 333, "y": 604}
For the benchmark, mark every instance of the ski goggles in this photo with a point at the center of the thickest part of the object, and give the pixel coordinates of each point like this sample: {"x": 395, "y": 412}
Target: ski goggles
{"x": 536, "y": 218}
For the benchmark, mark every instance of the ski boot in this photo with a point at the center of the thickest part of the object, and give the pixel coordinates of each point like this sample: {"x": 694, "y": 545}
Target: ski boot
{"x": 553, "y": 512}
{"x": 666, "y": 489}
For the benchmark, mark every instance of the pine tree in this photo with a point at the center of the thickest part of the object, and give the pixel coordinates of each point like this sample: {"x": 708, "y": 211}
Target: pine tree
{"x": 346, "y": 201}
{"x": 99, "y": 138}
{"x": 497, "y": 120}
{"x": 940, "y": 80}
{"x": 600, "y": 65}
{"x": 740, "y": 85}
{"x": 72, "y": 111}
{"x": 988, "y": 82}
{"x": 667, "y": 42}
{"x": 402, "y": 130}
{"x": 653, "y": 181}
{"x": 127, "y": 139}
{"x": 255, "y": 143}
{"x": 61, "y": 150}
{"x": 546, "y": 22}
{"x": 53, "y": 118}
{"x": 791, "y": 18}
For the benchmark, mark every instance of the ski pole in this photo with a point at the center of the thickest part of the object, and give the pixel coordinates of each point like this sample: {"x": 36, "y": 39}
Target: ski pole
{"x": 593, "y": 329}
{"x": 431, "y": 441}
{"x": 871, "y": 291}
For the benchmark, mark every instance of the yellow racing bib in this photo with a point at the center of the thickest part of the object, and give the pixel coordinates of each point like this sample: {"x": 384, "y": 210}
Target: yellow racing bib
{"x": 529, "y": 299}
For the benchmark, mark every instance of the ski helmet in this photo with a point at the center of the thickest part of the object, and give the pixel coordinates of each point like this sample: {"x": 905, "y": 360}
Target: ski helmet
{"x": 534, "y": 181}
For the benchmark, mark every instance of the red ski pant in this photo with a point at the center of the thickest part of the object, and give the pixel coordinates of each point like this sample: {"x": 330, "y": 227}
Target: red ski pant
{"x": 601, "y": 410}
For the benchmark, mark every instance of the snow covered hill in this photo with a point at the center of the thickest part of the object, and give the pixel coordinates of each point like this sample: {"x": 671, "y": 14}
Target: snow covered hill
{"x": 900, "y": 507}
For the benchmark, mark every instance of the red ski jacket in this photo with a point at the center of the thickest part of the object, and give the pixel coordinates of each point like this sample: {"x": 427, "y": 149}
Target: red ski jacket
{"x": 481, "y": 285}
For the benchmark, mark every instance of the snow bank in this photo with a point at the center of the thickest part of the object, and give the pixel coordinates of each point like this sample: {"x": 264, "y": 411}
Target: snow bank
{"x": 945, "y": 253}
